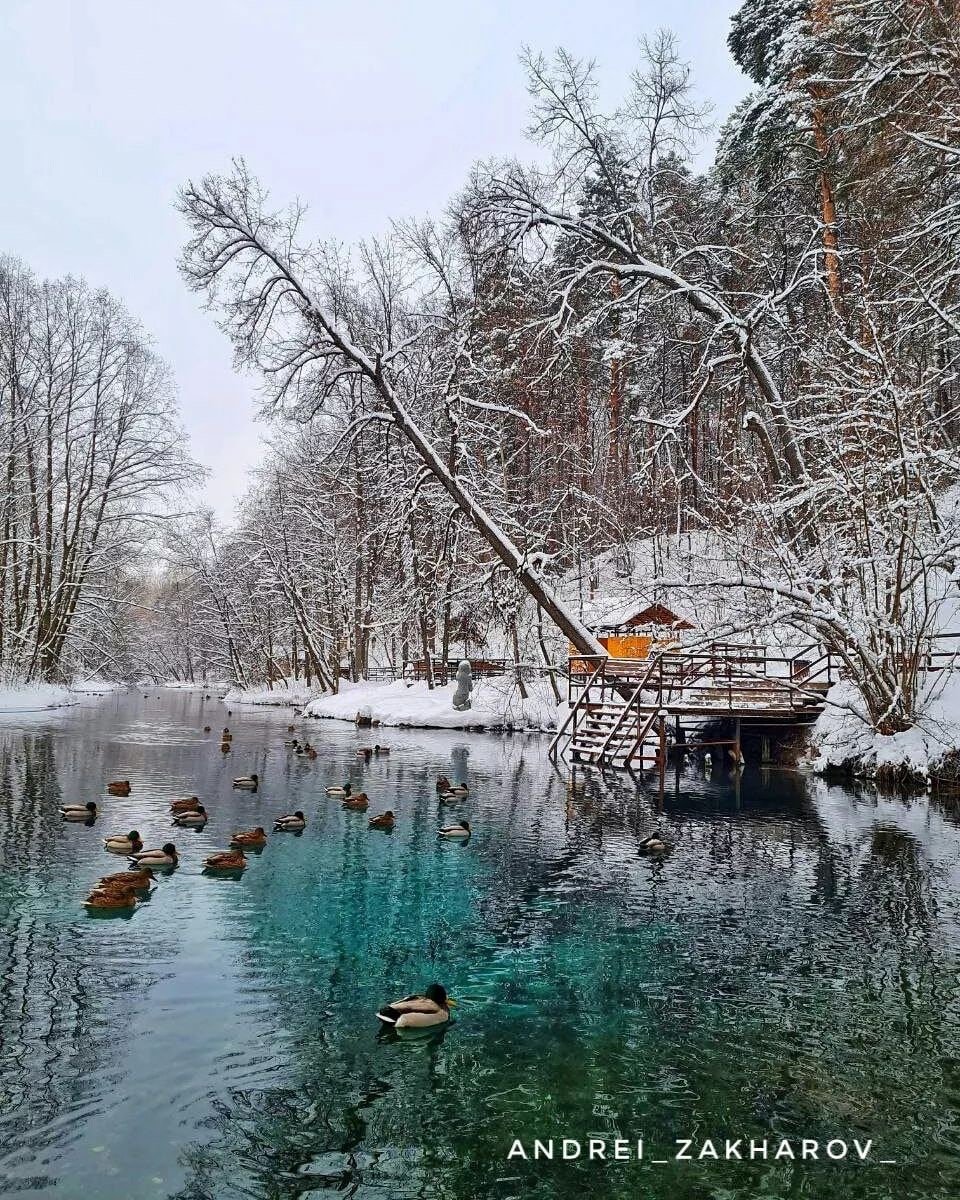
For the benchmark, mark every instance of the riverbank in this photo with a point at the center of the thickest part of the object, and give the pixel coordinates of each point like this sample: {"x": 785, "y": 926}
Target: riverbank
{"x": 495, "y": 704}
{"x": 842, "y": 743}
{"x": 37, "y": 697}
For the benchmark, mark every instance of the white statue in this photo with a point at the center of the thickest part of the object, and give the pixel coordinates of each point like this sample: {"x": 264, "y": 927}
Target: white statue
{"x": 461, "y": 697}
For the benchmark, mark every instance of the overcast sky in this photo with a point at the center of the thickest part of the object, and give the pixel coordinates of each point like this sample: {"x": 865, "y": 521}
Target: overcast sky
{"x": 365, "y": 110}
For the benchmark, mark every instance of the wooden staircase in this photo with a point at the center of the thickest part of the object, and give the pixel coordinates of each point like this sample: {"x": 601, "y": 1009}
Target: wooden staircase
{"x": 614, "y": 733}
{"x": 619, "y": 707}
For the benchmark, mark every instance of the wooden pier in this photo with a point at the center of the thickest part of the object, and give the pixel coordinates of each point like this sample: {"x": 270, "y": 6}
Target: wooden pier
{"x": 623, "y": 709}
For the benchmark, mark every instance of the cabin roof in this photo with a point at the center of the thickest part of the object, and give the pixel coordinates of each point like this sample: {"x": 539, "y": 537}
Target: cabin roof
{"x": 638, "y": 615}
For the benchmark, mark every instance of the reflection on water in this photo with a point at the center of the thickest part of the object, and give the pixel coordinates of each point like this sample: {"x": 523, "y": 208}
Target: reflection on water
{"x": 790, "y": 970}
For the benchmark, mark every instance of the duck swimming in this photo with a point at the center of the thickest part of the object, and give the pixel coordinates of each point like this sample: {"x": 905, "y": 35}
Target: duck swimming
{"x": 419, "y": 1012}
{"x": 385, "y": 820}
{"x": 455, "y": 789}
{"x": 166, "y": 856}
{"x": 194, "y": 817}
{"x": 381, "y": 749}
{"x": 224, "y": 747}
{"x": 250, "y": 782}
{"x": 339, "y": 791}
{"x": 443, "y": 783}
{"x": 111, "y": 898}
{"x": 79, "y": 812}
{"x": 185, "y": 804}
{"x": 460, "y": 830}
{"x": 137, "y": 880}
{"x": 358, "y": 803}
{"x": 653, "y": 844}
{"x": 121, "y": 843}
{"x": 119, "y": 787}
{"x": 291, "y": 822}
{"x": 226, "y": 860}
{"x": 250, "y": 837}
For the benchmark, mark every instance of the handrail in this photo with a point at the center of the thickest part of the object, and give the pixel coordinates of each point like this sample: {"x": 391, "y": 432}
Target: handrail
{"x": 634, "y": 697}
{"x": 571, "y": 715}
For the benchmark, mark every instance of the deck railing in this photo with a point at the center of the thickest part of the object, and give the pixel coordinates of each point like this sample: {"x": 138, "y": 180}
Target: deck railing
{"x": 724, "y": 676}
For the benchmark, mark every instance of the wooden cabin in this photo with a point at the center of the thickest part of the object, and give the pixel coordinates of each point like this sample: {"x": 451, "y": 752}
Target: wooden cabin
{"x": 653, "y": 627}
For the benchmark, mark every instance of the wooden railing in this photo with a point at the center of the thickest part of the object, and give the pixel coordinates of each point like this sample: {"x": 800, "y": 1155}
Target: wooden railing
{"x": 725, "y": 676}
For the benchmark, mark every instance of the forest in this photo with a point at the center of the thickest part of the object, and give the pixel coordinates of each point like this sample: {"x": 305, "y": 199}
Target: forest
{"x": 731, "y": 387}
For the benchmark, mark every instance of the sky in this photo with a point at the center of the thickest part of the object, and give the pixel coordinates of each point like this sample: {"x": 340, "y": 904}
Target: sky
{"x": 366, "y": 111}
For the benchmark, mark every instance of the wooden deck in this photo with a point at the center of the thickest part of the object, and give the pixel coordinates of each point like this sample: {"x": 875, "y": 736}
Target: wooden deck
{"x": 620, "y": 708}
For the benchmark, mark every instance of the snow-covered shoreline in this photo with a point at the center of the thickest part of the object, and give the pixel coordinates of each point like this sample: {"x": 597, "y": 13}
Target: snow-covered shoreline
{"x": 40, "y": 697}
{"x": 496, "y": 705}
{"x": 841, "y": 741}
{"x": 290, "y": 695}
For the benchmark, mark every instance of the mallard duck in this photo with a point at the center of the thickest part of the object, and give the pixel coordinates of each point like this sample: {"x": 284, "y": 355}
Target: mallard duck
{"x": 226, "y": 860}
{"x": 653, "y": 844}
{"x": 455, "y": 789}
{"x": 121, "y": 843}
{"x": 360, "y": 802}
{"x": 311, "y": 753}
{"x": 226, "y": 736}
{"x": 185, "y": 804}
{"x": 381, "y": 749}
{"x": 250, "y": 782}
{"x": 460, "y": 830}
{"x": 111, "y": 898}
{"x": 166, "y": 856}
{"x": 419, "y": 1012}
{"x": 366, "y": 753}
{"x": 195, "y": 817}
{"x": 224, "y": 747}
{"x": 443, "y": 783}
{"x": 206, "y": 729}
{"x": 339, "y": 791}
{"x": 119, "y": 787}
{"x": 250, "y": 837}
{"x": 137, "y": 880}
{"x": 384, "y": 820}
{"x": 292, "y": 822}
{"x": 79, "y": 812}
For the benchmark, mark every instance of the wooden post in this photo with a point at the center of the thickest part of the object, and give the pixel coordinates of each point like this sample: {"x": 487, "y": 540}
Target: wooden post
{"x": 662, "y": 749}
{"x": 738, "y": 756}
{"x": 765, "y": 755}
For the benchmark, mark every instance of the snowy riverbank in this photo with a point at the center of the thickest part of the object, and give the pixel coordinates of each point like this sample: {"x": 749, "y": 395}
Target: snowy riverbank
{"x": 841, "y": 741}
{"x": 496, "y": 704}
{"x": 289, "y": 693}
{"x": 38, "y": 697}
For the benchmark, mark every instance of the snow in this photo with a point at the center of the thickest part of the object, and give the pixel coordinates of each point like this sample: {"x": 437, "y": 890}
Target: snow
{"x": 289, "y": 692}
{"x": 34, "y": 697}
{"x": 841, "y": 735}
{"x": 496, "y": 704}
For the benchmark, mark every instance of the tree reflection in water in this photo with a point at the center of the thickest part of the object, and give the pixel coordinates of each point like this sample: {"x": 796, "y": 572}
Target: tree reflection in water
{"x": 788, "y": 970}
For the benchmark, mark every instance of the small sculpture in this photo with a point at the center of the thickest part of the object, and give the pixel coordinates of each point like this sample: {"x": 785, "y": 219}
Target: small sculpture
{"x": 461, "y": 697}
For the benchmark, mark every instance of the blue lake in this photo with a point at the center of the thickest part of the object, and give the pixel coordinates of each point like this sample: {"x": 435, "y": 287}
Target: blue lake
{"x": 789, "y": 971}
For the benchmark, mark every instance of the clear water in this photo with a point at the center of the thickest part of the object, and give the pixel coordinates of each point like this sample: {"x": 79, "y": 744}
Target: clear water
{"x": 791, "y": 970}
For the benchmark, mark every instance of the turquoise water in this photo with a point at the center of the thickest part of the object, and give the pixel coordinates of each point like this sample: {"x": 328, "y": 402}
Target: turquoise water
{"x": 790, "y": 971}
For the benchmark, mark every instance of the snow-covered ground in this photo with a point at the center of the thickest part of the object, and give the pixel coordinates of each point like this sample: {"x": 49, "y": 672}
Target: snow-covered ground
{"x": 37, "y": 697}
{"x": 287, "y": 692}
{"x": 840, "y": 736}
{"x": 34, "y": 697}
{"x": 179, "y": 685}
{"x": 495, "y": 704}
